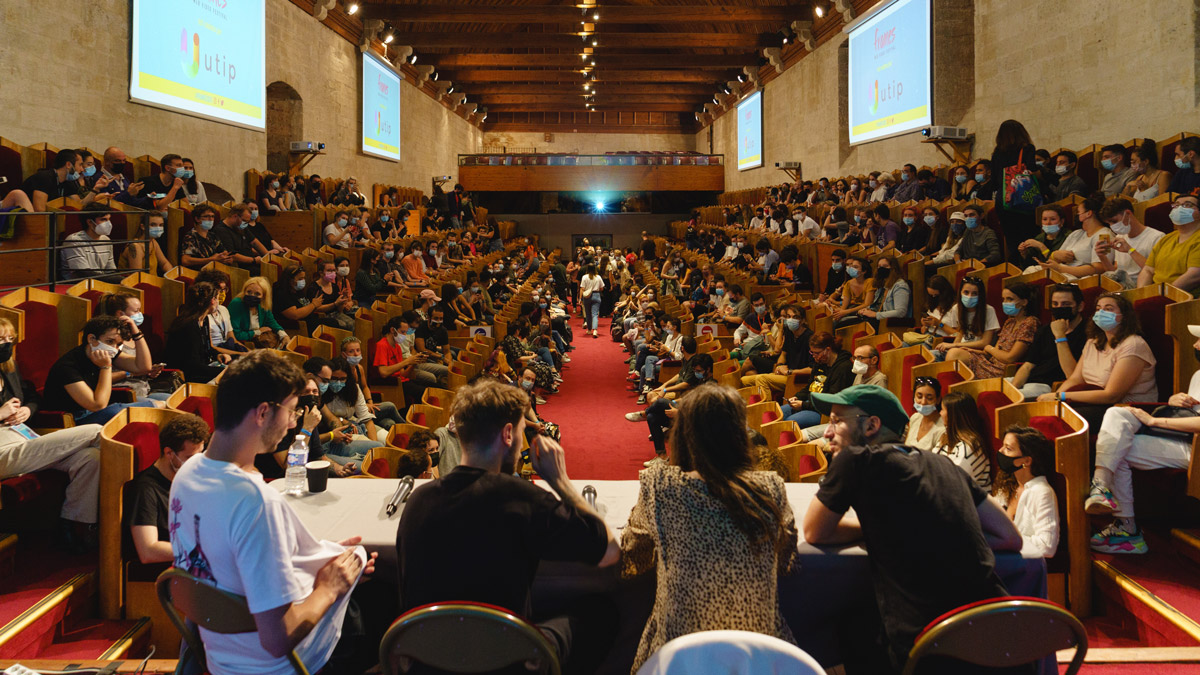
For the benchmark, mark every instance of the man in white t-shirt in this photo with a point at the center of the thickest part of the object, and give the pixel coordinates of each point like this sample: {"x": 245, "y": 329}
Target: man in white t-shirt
{"x": 805, "y": 225}
{"x": 757, "y": 222}
{"x": 1123, "y": 257}
{"x": 229, "y": 528}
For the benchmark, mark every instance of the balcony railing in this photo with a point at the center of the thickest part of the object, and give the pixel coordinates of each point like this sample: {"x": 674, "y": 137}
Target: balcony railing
{"x": 609, "y": 159}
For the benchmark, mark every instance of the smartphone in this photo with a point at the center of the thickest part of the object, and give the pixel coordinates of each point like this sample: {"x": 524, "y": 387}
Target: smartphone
{"x": 106, "y": 173}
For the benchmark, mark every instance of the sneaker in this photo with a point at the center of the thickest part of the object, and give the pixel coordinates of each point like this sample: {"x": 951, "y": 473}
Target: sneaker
{"x": 540, "y": 400}
{"x": 633, "y": 377}
{"x": 658, "y": 459}
{"x": 638, "y": 416}
{"x": 566, "y": 359}
{"x": 641, "y": 398}
{"x": 646, "y": 389}
{"x": 1114, "y": 539}
{"x": 1100, "y": 501}
{"x": 594, "y": 336}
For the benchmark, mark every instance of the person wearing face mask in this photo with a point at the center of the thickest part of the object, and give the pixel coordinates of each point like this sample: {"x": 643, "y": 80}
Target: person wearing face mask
{"x": 1078, "y": 257}
{"x": 1114, "y": 160}
{"x": 189, "y": 348}
{"x": 1024, "y": 460}
{"x": 877, "y": 187}
{"x": 168, "y": 182}
{"x": 146, "y": 522}
{"x": 315, "y": 192}
{"x": 250, "y": 312}
{"x": 290, "y": 295}
{"x": 980, "y": 324}
{"x": 347, "y": 407}
{"x": 948, "y": 253}
{"x": 236, "y": 238}
{"x": 1187, "y": 161}
{"x": 199, "y": 245}
{"x": 1057, "y": 346}
{"x": 193, "y": 189}
{"x": 1038, "y": 249}
{"x": 80, "y": 381}
{"x": 979, "y": 241}
{"x": 1149, "y": 181}
{"x": 914, "y": 233}
{"x": 385, "y": 412}
{"x": 396, "y": 359}
{"x": 331, "y": 298}
{"x": 337, "y": 233}
{"x": 856, "y": 293}
{"x": 116, "y": 183}
{"x": 1116, "y": 361}
{"x": 1069, "y": 182}
{"x": 926, "y": 429}
{"x": 986, "y": 185}
{"x": 1014, "y": 340}
{"x": 347, "y": 194}
{"x": 910, "y": 188}
{"x": 1175, "y": 259}
{"x": 695, "y": 370}
{"x": 135, "y": 257}
{"x": 60, "y": 179}
{"x": 961, "y": 183}
{"x": 891, "y": 296}
{"x": 1123, "y": 257}
{"x": 81, "y": 256}
{"x": 938, "y": 229}
{"x": 270, "y": 194}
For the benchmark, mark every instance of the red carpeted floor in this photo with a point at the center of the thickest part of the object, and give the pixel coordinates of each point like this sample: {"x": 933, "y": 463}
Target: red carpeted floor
{"x": 590, "y": 410}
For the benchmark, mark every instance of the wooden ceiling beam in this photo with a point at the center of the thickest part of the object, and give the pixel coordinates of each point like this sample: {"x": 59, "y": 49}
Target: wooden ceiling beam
{"x": 511, "y": 40}
{"x": 705, "y": 90}
{"x": 609, "y": 14}
{"x": 605, "y": 76}
{"x": 615, "y": 107}
{"x": 577, "y": 100}
{"x": 573, "y": 60}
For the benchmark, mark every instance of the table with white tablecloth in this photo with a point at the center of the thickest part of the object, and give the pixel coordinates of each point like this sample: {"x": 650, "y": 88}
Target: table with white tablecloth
{"x": 829, "y": 579}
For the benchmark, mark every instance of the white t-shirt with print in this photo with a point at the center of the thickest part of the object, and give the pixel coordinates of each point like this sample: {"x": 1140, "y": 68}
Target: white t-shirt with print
{"x": 230, "y": 528}
{"x": 990, "y": 321}
{"x": 1143, "y": 244}
{"x": 1083, "y": 246}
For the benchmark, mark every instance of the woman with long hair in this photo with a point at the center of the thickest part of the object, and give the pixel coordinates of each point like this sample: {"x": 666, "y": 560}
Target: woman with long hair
{"x": 708, "y": 517}
{"x": 193, "y": 189}
{"x": 892, "y": 297}
{"x": 972, "y": 317}
{"x": 1150, "y": 180}
{"x": 138, "y": 255}
{"x": 1076, "y": 257}
{"x": 926, "y": 430}
{"x": 1016, "y": 335}
{"x": 1024, "y": 461}
{"x": 939, "y": 298}
{"x": 966, "y": 442}
{"x": 1013, "y": 147}
{"x": 188, "y": 346}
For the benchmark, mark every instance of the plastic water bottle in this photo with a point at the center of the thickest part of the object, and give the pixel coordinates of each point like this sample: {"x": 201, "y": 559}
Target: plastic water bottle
{"x": 296, "y": 475}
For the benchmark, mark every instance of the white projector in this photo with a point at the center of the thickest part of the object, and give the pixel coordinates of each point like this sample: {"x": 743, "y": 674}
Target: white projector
{"x": 307, "y": 146}
{"x": 787, "y": 165}
{"x": 949, "y": 133}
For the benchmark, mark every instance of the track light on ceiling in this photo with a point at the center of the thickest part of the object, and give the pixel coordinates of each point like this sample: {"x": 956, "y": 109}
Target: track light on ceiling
{"x": 450, "y": 90}
{"x": 786, "y": 36}
{"x": 726, "y": 90}
{"x": 595, "y": 43}
{"x": 389, "y": 34}
{"x": 819, "y": 9}
{"x": 412, "y": 60}
{"x": 741, "y": 77}
{"x": 351, "y": 8}
{"x": 596, "y": 16}
{"x": 434, "y": 77}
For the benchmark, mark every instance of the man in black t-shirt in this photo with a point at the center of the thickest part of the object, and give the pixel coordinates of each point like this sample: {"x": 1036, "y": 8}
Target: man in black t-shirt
{"x": 168, "y": 182}
{"x": 1056, "y": 346}
{"x": 929, "y": 529}
{"x": 648, "y": 247}
{"x": 146, "y": 531}
{"x": 234, "y": 234}
{"x": 478, "y": 533}
{"x": 432, "y": 338}
{"x": 59, "y": 180}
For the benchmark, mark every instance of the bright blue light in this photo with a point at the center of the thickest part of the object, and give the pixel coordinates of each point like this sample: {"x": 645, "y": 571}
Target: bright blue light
{"x": 599, "y": 206}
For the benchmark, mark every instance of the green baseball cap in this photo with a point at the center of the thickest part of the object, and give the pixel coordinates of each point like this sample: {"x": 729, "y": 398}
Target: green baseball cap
{"x": 871, "y": 399}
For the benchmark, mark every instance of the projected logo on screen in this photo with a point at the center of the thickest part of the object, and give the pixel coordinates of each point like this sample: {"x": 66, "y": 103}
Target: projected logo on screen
{"x": 213, "y": 63}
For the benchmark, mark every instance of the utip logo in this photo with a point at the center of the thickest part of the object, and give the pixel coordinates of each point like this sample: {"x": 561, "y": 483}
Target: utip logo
{"x": 874, "y": 97}
{"x": 213, "y": 63}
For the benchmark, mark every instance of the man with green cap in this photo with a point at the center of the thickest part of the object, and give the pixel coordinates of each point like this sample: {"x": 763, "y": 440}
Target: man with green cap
{"x": 929, "y": 530}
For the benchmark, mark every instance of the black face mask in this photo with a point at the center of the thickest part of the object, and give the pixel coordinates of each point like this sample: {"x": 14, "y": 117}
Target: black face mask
{"x": 252, "y": 300}
{"x": 1007, "y": 464}
{"x": 118, "y": 167}
{"x": 882, "y": 273}
{"x": 2, "y": 352}
{"x": 1067, "y": 313}
{"x": 308, "y": 401}
{"x": 6, "y": 352}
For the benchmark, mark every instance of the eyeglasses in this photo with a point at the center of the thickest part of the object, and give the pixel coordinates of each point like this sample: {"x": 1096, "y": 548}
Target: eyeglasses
{"x": 294, "y": 413}
{"x": 838, "y": 420}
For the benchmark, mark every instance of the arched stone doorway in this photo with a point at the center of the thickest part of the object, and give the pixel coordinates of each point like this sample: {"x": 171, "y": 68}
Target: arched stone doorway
{"x": 285, "y": 123}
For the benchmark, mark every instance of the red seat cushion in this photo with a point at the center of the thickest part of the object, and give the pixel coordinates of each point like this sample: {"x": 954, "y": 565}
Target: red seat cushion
{"x": 988, "y": 402}
{"x": 304, "y": 349}
{"x": 754, "y": 398}
{"x": 770, "y": 416}
{"x": 154, "y": 321}
{"x": 947, "y": 378}
{"x": 419, "y": 419}
{"x": 379, "y": 467}
{"x": 201, "y": 406}
{"x": 434, "y": 400}
{"x": 93, "y": 296}
{"x": 41, "y": 331}
{"x": 28, "y": 487}
{"x": 807, "y": 464}
{"x": 883, "y": 347}
{"x": 1051, "y": 427}
{"x": 401, "y": 440}
{"x": 143, "y": 436}
{"x": 786, "y": 438}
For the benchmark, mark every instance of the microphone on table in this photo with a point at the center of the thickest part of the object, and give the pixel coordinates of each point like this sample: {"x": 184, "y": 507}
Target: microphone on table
{"x": 589, "y": 495}
{"x": 400, "y": 496}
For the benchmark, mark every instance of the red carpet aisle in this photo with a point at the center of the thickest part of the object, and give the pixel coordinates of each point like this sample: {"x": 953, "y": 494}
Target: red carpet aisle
{"x": 590, "y": 410}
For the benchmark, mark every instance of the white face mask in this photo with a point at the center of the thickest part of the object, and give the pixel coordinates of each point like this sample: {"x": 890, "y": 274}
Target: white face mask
{"x": 106, "y": 349}
{"x": 104, "y": 228}
{"x": 859, "y": 367}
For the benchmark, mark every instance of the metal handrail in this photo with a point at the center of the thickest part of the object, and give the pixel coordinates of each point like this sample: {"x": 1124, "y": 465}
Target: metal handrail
{"x": 53, "y": 246}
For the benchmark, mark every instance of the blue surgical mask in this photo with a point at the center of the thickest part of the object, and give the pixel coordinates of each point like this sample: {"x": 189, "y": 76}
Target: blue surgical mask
{"x": 852, "y": 272}
{"x": 337, "y": 385}
{"x": 354, "y": 360}
{"x": 243, "y": 225}
{"x": 978, "y": 178}
{"x": 1051, "y": 229}
{"x": 969, "y": 301}
{"x": 527, "y": 385}
{"x": 720, "y": 291}
{"x": 155, "y": 231}
{"x": 909, "y": 220}
{"x": 187, "y": 174}
{"x": 1106, "y": 319}
{"x": 837, "y": 266}
{"x": 411, "y": 331}
{"x": 206, "y": 225}
{"x": 300, "y": 285}
{"x": 760, "y": 309}
{"x": 930, "y": 220}
{"x": 354, "y": 221}
{"x": 181, "y": 172}
{"x": 1182, "y": 164}
{"x": 542, "y": 305}
{"x": 90, "y": 171}
{"x": 138, "y": 318}
{"x": 384, "y": 218}
{"x": 903, "y": 175}
{"x": 72, "y": 175}
{"x": 1040, "y": 163}
{"x": 925, "y": 409}
{"x": 389, "y": 254}
{"x": 254, "y": 215}
{"x": 341, "y": 222}
{"x": 1108, "y": 164}
{"x": 858, "y": 219}
{"x": 1182, "y": 215}
{"x": 792, "y": 324}
{"x": 699, "y": 374}
{"x": 1010, "y": 308}
{"x": 962, "y": 178}
{"x": 323, "y": 387}
{"x": 275, "y": 185}
{"x": 972, "y": 222}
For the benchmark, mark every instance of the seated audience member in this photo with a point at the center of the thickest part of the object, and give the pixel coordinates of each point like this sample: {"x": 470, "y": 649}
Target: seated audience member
{"x": 933, "y": 186}
{"x": 979, "y": 241}
{"x": 234, "y": 234}
{"x": 291, "y": 299}
{"x": 260, "y": 238}
{"x": 189, "y": 348}
{"x": 962, "y": 183}
{"x": 892, "y": 297}
{"x": 250, "y": 312}
{"x": 905, "y": 499}
{"x": 1057, "y": 346}
{"x": 74, "y": 451}
{"x": 122, "y": 305}
{"x": 966, "y": 442}
{"x": 348, "y": 194}
{"x": 948, "y": 252}
{"x": 414, "y": 264}
{"x": 60, "y": 179}
{"x": 1025, "y": 459}
{"x": 139, "y": 255}
{"x": 1016, "y": 335}
{"x": 882, "y": 184}
{"x": 298, "y": 588}
{"x": 1187, "y": 159}
{"x": 481, "y": 531}
{"x": 1122, "y": 257}
{"x": 938, "y": 229}
{"x": 368, "y": 281}
{"x": 708, "y": 510}
{"x": 396, "y": 358}
{"x": 1175, "y": 259}
{"x": 331, "y": 300}
{"x": 1035, "y": 251}
{"x": 888, "y": 231}
{"x": 939, "y": 299}
{"x": 270, "y": 194}
{"x": 1130, "y": 438}
{"x": 836, "y": 276}
{"x": 832, "y": 371}
{"x": 909, "y": 188}
{"x": 312, "y": 425}
{"x": 773, "y": 371}
{"x": 695, "y": 370}
{"x": 166, "y": 186}
{"x": 345, "y": 409}
{"x": 1069, "y": 182}
{"x": 865, "y": 367}
{"x": 926, "y": 428}
{"x": 147, "y": 522}
{"x": 914, "y": 233}
{"x": 80, "y": 381}
{"x": 218, "y": 322}
{"x": 200, "y": 245}
{"x": 337, "y": 233}
{"x": 88, "y": 253}
{"x": 855, "y": 294}
{"x": 1149, "y": 181}
{"x": 1115, "y": 161}
{"x": 977, "y": 327}
{"x": 193, "y": 189}
{"x": 986, "y": 184}
{"x": 1077, "y": 257}
{"x": 385, "y": 412}
{"x": 1116, "y": 363}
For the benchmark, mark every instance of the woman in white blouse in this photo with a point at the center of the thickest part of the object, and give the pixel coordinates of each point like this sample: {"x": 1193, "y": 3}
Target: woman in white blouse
{"x": 926, "y": 430}
{"x": 591, "y": 287}
{"x": 1025, "y": 459}
{"x": 1077, "y": 255}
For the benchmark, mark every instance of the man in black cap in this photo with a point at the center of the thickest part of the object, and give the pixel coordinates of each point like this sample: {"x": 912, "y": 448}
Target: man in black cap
{"x": 929, "y": 529}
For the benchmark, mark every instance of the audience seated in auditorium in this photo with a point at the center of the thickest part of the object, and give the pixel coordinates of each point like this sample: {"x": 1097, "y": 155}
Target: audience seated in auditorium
{"x": 115, "y": 183}
{"x": 948, "y": 252}
{"x": 146, "y": 528}
{"x": 705, "y": 518}
{"x": 331, "y": 300}
{"x": 963, "y": 183}
{"x": 926, "y": 428}
{"x": 856, "y": 294}
{"x": 81, "y": 256}
{"x": 891, "y": 295}
{"x": 270, "y": 195}
{"x": 979, "y": 325}
{"x": 461, "y": 528}
{"x": 832, "y": 370}
{"x": 909, "y": 188}
{"x": 1016, "y": 335}
{"x": 193, "y": 189}
{"x": 939, "y": 299}
{"x": 250, "y": 313}
{"x": 234, "y": 234}
{"x": 260, "y": 239}
{"x": 317, "y": 433}
{"x": 1069, "y": 183}
{"x": 298, "y": 589}
{"x": 979, "y": 241}
{"x": 348, "y": 195}
{"x": 346, "y": 408}
{"x": 166, "y": 186}
{"x": 1175, "y": 258}
{"x": 913, "y": 234}
{"x": 1037, "y": 250}
{"x": 905, "y": 499}
{"x": 60, "y": 179}
{"x": 1149, "y": 180}
{"x": 291, "y": 303}
{"x": 74, "y": 451}
{"x": 695, "y": 370}
{"x": 1057, "y": 346}
{"x": 1187, "y": 160}
{"x": 966, "y": 442}
{"x": 420, "y": 457}
{"x": 1076, "y": 257}
{"x": 1025, "y": 460}
{"x": 200, "y": 245}
{"x": 146, "y": 385}
{"x": 933, "y": 186}
{"x": 135, "y": 256}
{"x": 1115, "y": 160}
{"x": 1123, "y": 257}
{"x": 189, "y": 348}
{"x": 395, "y": 358}
{"x": 80, "y": 381}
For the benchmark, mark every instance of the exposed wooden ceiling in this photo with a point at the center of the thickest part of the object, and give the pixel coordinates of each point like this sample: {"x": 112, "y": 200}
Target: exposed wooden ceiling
{"x": 656, "y": 62}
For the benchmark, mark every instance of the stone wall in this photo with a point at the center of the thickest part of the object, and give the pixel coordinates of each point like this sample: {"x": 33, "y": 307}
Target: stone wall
{"x": 64, "y": 80}
{"x": 591, "y": 144}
